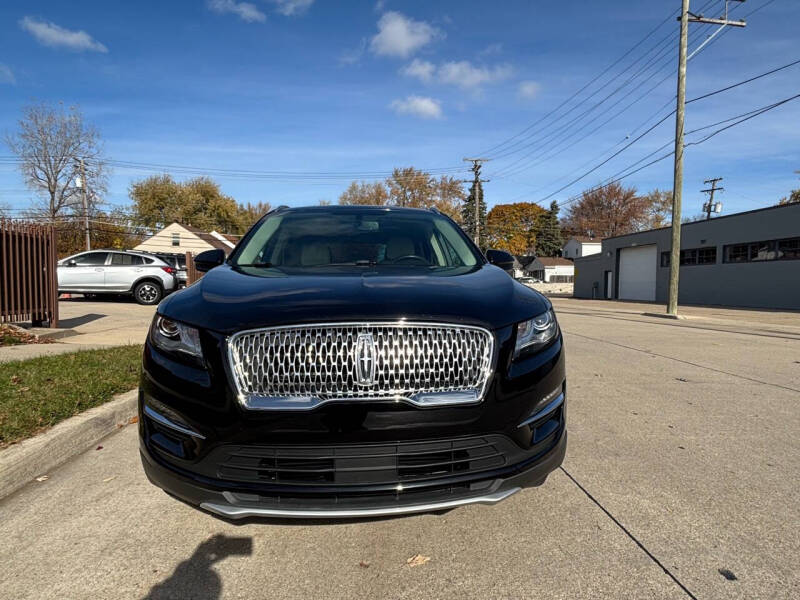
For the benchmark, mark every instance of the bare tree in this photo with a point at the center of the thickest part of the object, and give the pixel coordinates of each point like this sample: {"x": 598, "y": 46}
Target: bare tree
{"x": 49, "y": 142}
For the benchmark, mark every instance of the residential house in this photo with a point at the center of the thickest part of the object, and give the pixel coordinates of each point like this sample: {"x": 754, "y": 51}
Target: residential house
{"x": 178, "y": 239}
{"x": 579, "y": 246}
{"x": 551, "y": 269}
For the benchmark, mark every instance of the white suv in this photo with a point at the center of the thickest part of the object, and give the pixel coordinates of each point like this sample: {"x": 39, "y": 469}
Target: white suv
{"x": 144, "y": 276}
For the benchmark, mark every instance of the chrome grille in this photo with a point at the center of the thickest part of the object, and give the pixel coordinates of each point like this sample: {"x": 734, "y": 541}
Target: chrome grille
{"x": 300, "y": 367}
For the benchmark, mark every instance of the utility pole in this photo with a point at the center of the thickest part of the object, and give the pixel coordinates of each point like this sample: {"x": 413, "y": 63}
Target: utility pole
{"x": 81, "y": 183}
{"x": 476, "y": 181}
{"x": 709, "y": 206}
{"x": 677, "y": 184}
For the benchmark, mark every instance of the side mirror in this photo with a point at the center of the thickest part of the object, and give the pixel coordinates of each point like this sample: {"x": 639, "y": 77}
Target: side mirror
{"x": 502, "y": 259}
{"x": 205, "y": 261}
{"x": 72, "y": 263}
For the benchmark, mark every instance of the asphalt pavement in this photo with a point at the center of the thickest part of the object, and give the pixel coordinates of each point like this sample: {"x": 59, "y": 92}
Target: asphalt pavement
{"x": 680, "y": 482}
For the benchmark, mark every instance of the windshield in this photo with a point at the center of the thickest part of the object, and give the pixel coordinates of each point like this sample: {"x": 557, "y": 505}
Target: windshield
{"x": 322, "y": 240}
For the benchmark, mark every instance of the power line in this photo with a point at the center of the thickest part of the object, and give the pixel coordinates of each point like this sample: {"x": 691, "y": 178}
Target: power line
{"x": 660, "y": 48}
{"x": 738, "y": 119}
{"x": 585, "y": 86}
{"x": 510, "y": 169}
{"x": 668, "y": 115}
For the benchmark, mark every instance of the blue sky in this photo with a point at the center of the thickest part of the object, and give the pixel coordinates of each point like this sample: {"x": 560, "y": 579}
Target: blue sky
{"x": 362, "y": 87}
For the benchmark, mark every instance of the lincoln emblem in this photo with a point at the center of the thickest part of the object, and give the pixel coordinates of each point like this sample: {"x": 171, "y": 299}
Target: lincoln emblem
{"x": 365, "y": 359}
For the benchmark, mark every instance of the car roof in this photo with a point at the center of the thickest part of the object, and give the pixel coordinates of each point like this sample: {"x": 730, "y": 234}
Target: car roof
{"x": 339, "y": 208}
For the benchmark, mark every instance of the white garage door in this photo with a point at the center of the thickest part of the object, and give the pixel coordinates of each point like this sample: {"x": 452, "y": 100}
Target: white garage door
{"x": 637, "y": 273}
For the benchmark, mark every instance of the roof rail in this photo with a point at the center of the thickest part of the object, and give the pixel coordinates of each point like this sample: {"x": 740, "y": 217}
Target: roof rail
{"x": 436, "y": 210}
{"x": 280, "y": 208}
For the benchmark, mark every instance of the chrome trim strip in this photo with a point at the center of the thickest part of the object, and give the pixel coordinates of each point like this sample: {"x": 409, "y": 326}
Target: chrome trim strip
{"x": 419, "y": 400}
{"x": 550, "y": 407}
{"x": 240, "y": 512}
{"x": 159, "y": 418}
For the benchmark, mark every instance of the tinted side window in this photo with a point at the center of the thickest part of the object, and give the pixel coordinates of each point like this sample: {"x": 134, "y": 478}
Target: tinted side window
{"x": 92, "y": 259}
{"x": 125, "y": 260}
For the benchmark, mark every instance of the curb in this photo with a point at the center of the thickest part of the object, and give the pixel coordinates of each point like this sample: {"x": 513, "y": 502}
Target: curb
{"x": 45, "y": 333}
{"x": 35, "y": 456}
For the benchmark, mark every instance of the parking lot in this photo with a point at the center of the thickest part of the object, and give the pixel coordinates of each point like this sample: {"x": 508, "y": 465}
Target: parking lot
{"x": 681, "y": 481}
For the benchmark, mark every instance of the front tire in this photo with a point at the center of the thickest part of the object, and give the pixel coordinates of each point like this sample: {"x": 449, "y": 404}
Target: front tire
{"x": 148, "y": 293}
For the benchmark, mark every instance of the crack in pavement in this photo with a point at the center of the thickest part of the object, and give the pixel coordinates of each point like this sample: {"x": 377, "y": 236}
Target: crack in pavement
{"x": 629, "y": 534}
{"x": 686, "y": 362}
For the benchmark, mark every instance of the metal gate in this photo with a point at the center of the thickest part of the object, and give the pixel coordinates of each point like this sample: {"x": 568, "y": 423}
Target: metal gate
{"x": 28, "y": 279}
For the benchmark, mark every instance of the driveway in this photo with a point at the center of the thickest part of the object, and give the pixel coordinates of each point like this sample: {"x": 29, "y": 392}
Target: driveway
{"x": 112, "y": 322}
{"x": 680, "y": 482}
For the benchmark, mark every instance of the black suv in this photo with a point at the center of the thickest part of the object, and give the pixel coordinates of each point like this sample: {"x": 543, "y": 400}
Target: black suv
{"x": 350, "y": 361}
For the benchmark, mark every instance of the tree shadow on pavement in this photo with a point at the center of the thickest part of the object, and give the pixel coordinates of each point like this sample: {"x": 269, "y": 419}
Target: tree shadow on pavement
{"x": 194, "y": 577}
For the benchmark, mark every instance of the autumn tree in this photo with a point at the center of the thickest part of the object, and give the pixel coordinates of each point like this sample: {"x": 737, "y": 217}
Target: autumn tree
{"x": 250, "y": 213}
{"x": 607, "y": 211}
{"x": 112, "y": 229}
{"x": 365, "y": 193}
{"x": 514, "y": 227}
{"x": 549, "y": 239}
{"x": 49, "y": 142}
{"x": 658, "y": 211}
{"x": 468, "y": 215}
{"x": 792, "y": 198}
{"x": 160, "y": 200}
{"x": 408, "y": 187}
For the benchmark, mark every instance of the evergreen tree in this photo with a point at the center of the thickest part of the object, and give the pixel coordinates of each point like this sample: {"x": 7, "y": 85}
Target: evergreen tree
{"x": 468, "y": 214}
{"x": 549, "y": 240}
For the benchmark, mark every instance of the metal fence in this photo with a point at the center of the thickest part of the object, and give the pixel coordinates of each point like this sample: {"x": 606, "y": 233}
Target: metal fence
{"x": 28, "y": 280}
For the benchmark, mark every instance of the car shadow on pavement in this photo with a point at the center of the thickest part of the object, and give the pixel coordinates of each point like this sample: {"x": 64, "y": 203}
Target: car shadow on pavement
{"x": 78, "y": 321}
{"x": 194, "y": 577}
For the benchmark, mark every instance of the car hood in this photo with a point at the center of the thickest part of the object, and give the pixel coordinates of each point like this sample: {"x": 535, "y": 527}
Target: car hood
{"x": 229, "y": 300}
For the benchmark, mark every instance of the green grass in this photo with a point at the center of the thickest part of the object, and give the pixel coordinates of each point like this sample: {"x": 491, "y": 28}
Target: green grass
{"x": 36, "y": 394}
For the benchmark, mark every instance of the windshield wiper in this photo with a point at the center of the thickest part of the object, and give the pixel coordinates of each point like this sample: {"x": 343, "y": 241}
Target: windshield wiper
{"x": 263, "y": 265}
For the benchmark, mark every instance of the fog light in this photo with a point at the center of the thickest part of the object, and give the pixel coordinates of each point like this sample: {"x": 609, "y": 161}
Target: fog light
{"x": 548, "y": 405}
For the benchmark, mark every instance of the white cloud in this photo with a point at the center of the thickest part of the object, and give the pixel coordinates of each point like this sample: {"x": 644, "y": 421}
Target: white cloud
{"x": 50, "y": 34}
{"x": 461, "y": 73}
{"x": 418, "y": 106}
{"x": 244, "y": 10}
{"x": 529, "y": 89}
{"x": 421, "y": 69}
{"x": 491, "y": 50}
{"x": 7, "y": 75}
{"x": 399, "y": 35}
{"x": 464, "y": 74}
{"x": 351, "y": 57}
{"x": 290, "y": 8}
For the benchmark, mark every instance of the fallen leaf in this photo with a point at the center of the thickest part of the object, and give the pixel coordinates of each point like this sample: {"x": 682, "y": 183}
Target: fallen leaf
{"x": 99, "y": 448}
{"x": 23, "y": 389}
{"x": 363, "y": 564}
{"x": 417, "y": 560}
{"x": 107, "y": 479}
{"x": 15, "y": 379}
{"x": 134, "y": 419}
{"x": 43, "y": 478}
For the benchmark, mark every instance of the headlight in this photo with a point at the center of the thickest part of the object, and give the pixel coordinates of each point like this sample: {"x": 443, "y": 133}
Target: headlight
{"x": 536, "y": 332}
{"x": 172, "y": 336}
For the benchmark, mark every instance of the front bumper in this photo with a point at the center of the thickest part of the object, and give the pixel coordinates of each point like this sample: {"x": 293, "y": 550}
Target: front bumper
{"x": 212, "y": 496}
{"x": 349, "y": 459}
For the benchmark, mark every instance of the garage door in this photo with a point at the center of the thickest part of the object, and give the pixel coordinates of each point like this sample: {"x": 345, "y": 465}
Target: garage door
{"x": 637, "y": 273}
